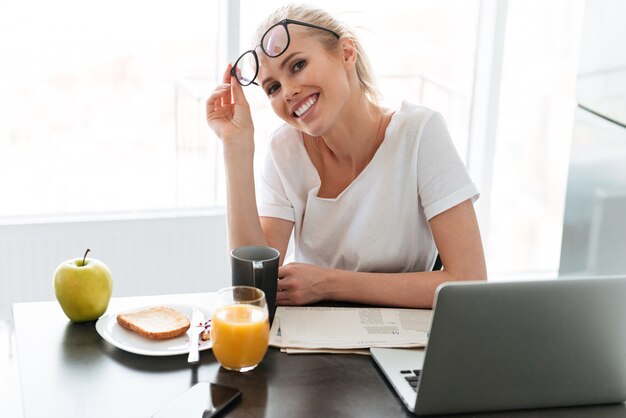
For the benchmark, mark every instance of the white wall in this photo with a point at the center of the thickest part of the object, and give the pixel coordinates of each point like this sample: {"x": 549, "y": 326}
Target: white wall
{"x": 158, "y": 255}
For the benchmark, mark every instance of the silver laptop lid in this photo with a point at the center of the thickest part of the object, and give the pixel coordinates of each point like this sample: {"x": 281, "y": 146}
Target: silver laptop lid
{"x": 531, "y": 344}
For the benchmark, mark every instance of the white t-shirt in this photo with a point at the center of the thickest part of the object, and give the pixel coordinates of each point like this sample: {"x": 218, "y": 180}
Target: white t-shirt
{"x": 379, "y": 223}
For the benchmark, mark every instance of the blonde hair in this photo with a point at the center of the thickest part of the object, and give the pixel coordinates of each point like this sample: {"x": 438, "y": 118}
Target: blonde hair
{"x": 317, "y": 16}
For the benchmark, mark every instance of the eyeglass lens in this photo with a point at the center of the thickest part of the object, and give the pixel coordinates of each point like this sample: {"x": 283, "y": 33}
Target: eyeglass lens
{"x": 274, "y": 42}
{"x": 246, "y": 68}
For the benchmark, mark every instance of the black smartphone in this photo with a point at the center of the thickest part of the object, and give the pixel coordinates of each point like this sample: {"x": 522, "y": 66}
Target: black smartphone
{"x": 202, "y": 400}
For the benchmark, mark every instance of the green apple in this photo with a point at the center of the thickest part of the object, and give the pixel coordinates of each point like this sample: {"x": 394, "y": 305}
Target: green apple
{"x": 83, "y": 287}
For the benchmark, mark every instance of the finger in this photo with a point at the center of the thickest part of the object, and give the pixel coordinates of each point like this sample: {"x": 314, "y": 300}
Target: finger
{"x": 280, "y": 298}
{"x": 215, "y": 100}
{"x": 211, "y": 107}
{"x": 227, "y": 99}
{"x": 283, "y": 271}
{"x": 239, "y": 96}
{"x": 283, "y": 300}
{"x": 281, "y": 286}
{"x": 216, "y": 95}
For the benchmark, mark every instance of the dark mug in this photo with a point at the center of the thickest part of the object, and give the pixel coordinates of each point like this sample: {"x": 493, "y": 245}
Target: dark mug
{"x": 257, "y": 266}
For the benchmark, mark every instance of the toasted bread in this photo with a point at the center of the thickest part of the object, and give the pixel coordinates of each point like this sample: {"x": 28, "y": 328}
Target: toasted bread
{"x": 158, "y": 323}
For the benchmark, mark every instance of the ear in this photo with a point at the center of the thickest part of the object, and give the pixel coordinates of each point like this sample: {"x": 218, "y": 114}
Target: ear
{"x": 348, "y": 52}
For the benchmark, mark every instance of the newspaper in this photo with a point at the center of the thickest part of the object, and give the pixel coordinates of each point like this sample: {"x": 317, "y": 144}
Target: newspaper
{"x": 334, "y": 329}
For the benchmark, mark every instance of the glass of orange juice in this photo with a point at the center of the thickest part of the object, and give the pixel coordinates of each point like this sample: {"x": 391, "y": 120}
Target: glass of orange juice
{"x": 240, "y": 328}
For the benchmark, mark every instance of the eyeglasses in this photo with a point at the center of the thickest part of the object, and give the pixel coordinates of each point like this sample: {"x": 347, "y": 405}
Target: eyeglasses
{"x": 274, "y": 43}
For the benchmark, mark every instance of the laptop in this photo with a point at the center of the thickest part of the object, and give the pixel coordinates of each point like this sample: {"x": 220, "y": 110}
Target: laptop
{"x": 516, "y": 345}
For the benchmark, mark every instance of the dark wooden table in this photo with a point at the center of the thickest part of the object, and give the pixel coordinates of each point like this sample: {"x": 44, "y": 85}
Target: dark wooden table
{"x": 67, "y": 370}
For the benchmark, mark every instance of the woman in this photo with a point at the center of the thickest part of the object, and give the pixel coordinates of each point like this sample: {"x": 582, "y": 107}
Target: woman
{"x": 371, "y": 195}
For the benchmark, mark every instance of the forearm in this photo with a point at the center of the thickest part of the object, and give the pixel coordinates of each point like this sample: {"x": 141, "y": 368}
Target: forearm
{"x": 244, "y": 226}
{"x": 411, "y": 290}
{"x": 458, "y": 241}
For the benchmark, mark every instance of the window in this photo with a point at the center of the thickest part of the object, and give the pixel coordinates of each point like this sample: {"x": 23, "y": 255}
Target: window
{"x": 535, "y": 122}
{"x": 88, "y": 98}
{"x": 103, "y": 105}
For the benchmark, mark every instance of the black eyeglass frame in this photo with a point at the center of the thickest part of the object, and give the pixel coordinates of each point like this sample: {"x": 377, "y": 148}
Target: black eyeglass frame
{"x": 283, "y": 23}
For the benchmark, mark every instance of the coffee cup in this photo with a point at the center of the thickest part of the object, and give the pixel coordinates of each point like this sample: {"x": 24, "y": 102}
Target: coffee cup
{"x": 257, "y": 266}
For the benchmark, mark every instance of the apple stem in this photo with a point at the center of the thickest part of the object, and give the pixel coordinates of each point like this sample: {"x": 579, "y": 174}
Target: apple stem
{"x": 85, "y": 256}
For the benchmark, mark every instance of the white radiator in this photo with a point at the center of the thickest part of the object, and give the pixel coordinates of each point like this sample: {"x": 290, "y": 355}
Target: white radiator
{"x": 165, "y": 253}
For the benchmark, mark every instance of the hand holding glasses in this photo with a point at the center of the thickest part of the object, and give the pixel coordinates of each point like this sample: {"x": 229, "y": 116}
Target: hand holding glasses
{"x": 274, "y": 43}
{"x": 227, "y": 110}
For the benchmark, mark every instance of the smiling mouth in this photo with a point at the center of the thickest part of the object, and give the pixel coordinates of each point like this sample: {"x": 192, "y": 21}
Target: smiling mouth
{"x": 305, "y": 106}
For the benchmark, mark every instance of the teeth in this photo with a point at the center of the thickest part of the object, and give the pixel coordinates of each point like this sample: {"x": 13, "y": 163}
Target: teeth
{"x": 306, "y": 106}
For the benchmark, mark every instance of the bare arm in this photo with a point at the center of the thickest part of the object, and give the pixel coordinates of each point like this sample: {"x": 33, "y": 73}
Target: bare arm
{"x": 244, "y": 227}
{"x": 277, "y": 231}
{"x": 457, "y": 237}
{"x": 228, "y": 115}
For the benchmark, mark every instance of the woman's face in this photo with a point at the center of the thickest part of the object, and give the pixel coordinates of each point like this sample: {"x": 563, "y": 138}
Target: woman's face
{"x": 307, "y": 86}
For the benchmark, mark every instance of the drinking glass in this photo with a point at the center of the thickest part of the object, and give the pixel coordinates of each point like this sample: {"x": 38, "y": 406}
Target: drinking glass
{"x": 240, "y": 328}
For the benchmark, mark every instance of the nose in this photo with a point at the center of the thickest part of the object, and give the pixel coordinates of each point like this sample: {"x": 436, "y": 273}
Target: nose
{"x": 289, "y": 90}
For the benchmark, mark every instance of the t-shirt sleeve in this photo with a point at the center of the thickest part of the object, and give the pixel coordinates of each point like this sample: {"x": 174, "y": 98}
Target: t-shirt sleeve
{"x": 443, "y": 181}
{"x": 272, "y": 199}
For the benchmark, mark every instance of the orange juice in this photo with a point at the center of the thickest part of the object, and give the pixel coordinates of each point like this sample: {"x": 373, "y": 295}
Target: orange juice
{"x": 240, "y": 334}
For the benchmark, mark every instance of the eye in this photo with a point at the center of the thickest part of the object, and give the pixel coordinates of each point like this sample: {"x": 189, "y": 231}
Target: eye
{"x": 298, "y": 65}
{"x": 272, "y": 89}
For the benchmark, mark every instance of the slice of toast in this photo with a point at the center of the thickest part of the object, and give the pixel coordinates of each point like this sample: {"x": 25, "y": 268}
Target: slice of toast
{"x": 158, "y": 323}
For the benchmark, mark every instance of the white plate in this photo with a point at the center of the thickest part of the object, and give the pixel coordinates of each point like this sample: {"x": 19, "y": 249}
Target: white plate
{"x": 127, "y": 340}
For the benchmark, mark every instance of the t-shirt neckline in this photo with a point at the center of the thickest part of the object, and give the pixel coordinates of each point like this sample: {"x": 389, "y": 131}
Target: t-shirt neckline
{"x": 310, "y": 166}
